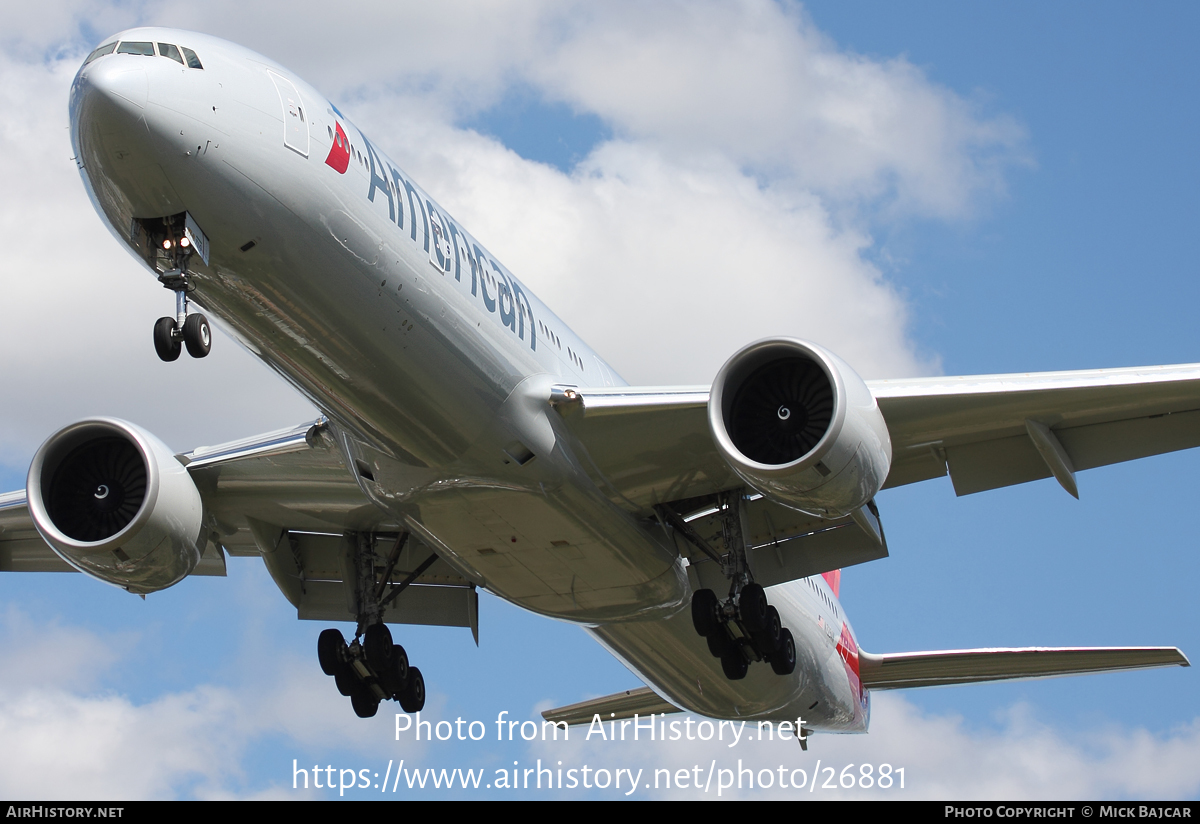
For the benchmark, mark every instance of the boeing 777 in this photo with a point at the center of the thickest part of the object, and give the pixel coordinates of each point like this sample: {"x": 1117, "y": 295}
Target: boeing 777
{"x": 470, "y": 440}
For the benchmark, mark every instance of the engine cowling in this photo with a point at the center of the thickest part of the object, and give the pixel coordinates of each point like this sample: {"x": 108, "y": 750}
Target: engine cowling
{"x": 113, "y": 502}
{"x": 796, "y": 423}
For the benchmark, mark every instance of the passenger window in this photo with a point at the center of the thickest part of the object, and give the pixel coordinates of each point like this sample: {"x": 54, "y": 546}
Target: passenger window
{"x": 192, "y": 60}
{"x": 134, "y": 47}
{"x": 167, "y": 50}
{"x": 108, "y": 48}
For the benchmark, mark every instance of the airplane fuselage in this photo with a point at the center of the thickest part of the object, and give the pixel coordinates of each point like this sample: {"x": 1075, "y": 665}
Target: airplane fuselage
{"x": 431, "y": 360}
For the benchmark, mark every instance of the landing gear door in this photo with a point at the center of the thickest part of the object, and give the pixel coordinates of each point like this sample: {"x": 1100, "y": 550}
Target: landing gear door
{"x": 196, "y": 237}
{"x": 295, "y": 118}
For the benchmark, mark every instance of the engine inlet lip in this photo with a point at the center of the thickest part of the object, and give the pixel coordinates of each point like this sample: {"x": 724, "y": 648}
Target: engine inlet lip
{"x": 740, "y": 366}
{"x": 55, "y": 450}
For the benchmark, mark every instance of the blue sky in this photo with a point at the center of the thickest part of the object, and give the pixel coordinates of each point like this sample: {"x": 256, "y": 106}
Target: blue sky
{"x": 1007, "y": 188}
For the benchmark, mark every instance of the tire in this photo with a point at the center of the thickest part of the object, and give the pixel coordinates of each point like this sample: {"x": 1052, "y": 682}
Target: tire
{"x": 752, "y": 607}
{"x": 704, "y": 612}
{"x": 330, "y": 647}
{"x": 412, "y": 697}
{"x": 783, "y": 661}
{"x": 767, "y": 639}
{"x": 165, "y": 343}
{"x": 377, "y": 644}
{"x": 719, "y": 644}
{"x": 365, "y": 705}
{"x": 734, "y": 665}
{"x": 346, "y": 681}
{"x": 197, "y": 335}
{"x": 398, "y": 672}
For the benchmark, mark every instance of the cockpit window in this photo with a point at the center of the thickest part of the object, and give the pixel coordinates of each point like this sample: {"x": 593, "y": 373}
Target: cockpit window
{"x": 167, "y": 50}
{"x": 134, "y": 47}
{"x": 100, "y": 52}
{"x": 192, "y": 60}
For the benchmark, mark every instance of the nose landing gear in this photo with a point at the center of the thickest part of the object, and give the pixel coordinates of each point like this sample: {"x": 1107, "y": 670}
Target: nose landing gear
{"x": 168, "y": 244}
{"x": 171, "y": 335}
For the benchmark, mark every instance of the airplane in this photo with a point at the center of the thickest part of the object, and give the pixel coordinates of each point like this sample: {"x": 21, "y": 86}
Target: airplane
{"x": 469, "y": 439}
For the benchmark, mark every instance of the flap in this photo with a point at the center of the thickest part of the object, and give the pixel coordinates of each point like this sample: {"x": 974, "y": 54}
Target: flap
{"x": 979, "y": 426}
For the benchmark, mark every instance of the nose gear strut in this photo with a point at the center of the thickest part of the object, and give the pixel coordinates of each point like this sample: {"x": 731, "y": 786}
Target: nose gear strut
{"x": 169, "y": 248}
{"x": 192, "y": 331}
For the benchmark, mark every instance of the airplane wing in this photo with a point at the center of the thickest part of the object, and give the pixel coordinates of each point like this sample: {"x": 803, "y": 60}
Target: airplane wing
{"x": 991, "y": 431}
{"x": 650, "y": 445}
{"x": 908, "y": 670}
{"x": 21, "y": 548}
{"x": 288, "y": 497}
{"x": 905, "y": 670}
{"x": 645, "y": 445}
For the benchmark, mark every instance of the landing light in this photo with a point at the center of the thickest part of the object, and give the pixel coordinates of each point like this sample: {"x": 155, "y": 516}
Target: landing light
{"x": 184, "y": 242}
{"x": 167, "y": 243}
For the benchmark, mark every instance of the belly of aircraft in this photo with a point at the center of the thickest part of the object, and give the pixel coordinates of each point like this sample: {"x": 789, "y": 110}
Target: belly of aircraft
{"x": 539, "y": 552}
{"x": 676, "y": 661}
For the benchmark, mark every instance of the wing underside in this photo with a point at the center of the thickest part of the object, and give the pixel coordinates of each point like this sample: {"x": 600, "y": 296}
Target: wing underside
{"x": 649, "y": 445}
{"x": 288, "y": 498}
{"x": 990, "y": 431}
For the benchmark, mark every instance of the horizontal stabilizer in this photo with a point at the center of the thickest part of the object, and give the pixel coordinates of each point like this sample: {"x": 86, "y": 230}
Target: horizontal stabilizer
{"x": 903, "y": 670}
{"x": 642, "y": 701}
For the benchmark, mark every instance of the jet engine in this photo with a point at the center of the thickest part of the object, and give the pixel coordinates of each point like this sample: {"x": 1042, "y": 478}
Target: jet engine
{"x": 112, "y": 501}
{"x": 796, "y": 423}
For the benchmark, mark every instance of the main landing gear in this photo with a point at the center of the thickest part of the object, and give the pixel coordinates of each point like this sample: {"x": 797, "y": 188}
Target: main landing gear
{"x": 742, "y": 628}
{"x": 372, "y": 668}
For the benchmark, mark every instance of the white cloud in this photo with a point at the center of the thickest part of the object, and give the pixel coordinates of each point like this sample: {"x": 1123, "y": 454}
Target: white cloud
{"x": 59, "y": 745}
{"x": 36, "y": 652}
{"x": 756, "y": 82}
{"x": 67, "y": 736}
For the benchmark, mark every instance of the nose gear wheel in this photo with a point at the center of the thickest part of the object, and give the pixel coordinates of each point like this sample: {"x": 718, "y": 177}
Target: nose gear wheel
{"x": 169, "y": 250}
{"x": 197, "y": 336}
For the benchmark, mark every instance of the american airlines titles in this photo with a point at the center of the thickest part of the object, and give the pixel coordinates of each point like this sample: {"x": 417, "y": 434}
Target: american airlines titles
{"x": 450, "y": 249}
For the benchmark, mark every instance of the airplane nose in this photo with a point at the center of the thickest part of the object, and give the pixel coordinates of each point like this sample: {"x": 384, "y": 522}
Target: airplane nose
{"x": 118, "y": 138}
{"x": 122, "y": 82}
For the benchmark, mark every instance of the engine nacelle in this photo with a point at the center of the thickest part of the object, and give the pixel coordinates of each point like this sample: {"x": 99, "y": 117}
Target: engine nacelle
{"x": 113, "y": 502}
{"x": 796, "y": 423}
